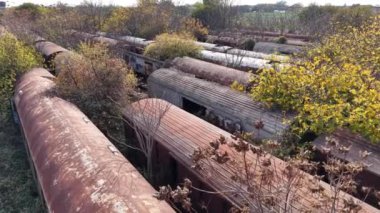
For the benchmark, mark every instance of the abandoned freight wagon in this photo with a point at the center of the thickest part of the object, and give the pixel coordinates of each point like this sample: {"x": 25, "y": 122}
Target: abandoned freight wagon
{"x": 77, "y": 168}
{"x": 220, "y": 105}
{"x": 211, "y": 72}
{"x": 177, "y": 136}
{"x": 141, "y": 64}
{"x": 236, "y": 61}
{"x": 242, "y": 53}
{"x": 139, "y": 43}
{"x": 48, "y": 50}
{"x": 370, "y": 177}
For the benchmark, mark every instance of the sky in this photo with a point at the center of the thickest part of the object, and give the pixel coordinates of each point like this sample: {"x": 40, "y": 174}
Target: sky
{"x": 248, "y": 2}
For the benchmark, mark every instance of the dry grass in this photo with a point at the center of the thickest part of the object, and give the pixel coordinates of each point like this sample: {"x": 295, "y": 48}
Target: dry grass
{"x": 18, "y": 192}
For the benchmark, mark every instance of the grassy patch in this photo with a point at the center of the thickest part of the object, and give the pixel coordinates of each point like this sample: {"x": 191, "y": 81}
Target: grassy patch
{"x": 18, "y": 191}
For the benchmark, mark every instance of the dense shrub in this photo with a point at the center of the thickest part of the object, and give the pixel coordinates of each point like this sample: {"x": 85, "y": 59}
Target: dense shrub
{"x": 282, "y": 40}
{"x": 147, "y": 20}
{"x": 15, "y": 58}
{"x": 97, "y": 83}
{"x": 195, "y": 28}
{"x": 169, "y": 46}
{"x": 320, "y": 21}
{"x": 334, "y": 85}
{"x": 248, "y": 44}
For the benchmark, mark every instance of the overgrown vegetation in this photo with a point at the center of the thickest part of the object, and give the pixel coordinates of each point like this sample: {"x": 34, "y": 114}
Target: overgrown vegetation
{"x": 259, "y": 182}
{"x": 335, "y": 85}
{"x": 98, "y": 84}
{"x": 169, "y": 46}
{"x": 18, "y": 191}
{"x": 15, "y": 59}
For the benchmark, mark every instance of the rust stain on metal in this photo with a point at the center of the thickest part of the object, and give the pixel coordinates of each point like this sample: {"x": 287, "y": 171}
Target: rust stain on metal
{"x": 48, "y": 48}
{"x": 211, "y": 72}
{"x": 78, "y": 168}
{"x": 181, "y": 133}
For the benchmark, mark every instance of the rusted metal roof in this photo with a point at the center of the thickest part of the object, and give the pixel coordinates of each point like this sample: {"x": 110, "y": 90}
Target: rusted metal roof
{"x": 181, "y": 133}
{"x": 173, "y": 85}
{"x": 78, "y": 168}
{"x": 211, "y": 72}
{"x": 47, "y": 48}
{"x": 358, "y": 144}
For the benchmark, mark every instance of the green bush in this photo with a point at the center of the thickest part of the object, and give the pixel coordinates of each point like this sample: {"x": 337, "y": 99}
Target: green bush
{"x": 15, "y": 59}
{"x": 169, "y": 46}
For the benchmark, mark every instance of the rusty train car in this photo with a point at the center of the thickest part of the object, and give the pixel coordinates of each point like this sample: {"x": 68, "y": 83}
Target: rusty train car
{"x": 54, "y": 55}
{"x": 141, "y": 64}
{"x": 242, "y": 53}
{"x": 220, "y": 105}
{"x": 132, "y": 49}
{"x": 236, "y": 61}
{"x": 211, "y": 72}
{"x": 179, "y": 134}
{"x": 77, "y": 168}
{"x": 358, "y": 144}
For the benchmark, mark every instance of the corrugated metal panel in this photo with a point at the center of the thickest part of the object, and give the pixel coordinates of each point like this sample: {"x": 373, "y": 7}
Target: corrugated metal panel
{"x": 231, "y": 104}
{"x": 239, "y": 62}
{"x": 47, "y": 48}
{"x": 211, "y": 72}
{"x": 79, "y": 170}
{"x": 181, "y": 133}
{"x": 357, "y": 143}
{"x": 268, "y": 47}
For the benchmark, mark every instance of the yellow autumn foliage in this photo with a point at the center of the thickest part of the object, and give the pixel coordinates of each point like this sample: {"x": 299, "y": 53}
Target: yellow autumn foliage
{"x": 336, "y": 84}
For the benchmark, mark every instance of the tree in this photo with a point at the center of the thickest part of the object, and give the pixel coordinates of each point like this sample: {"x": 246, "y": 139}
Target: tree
{"x": 216, "y": 14}
{"x": 335, "y": 85}
{"x": 146, "y": 119}
{"x": 15, "y": 59}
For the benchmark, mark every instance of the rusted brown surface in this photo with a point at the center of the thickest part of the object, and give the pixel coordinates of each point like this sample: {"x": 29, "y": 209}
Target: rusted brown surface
{"x": 78, "y": 169}
{"x": 47, "y": 48}
{"x": 357, "y": 145}
{"x": 181, "y": 133}
{"x": 211, "y": 72}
